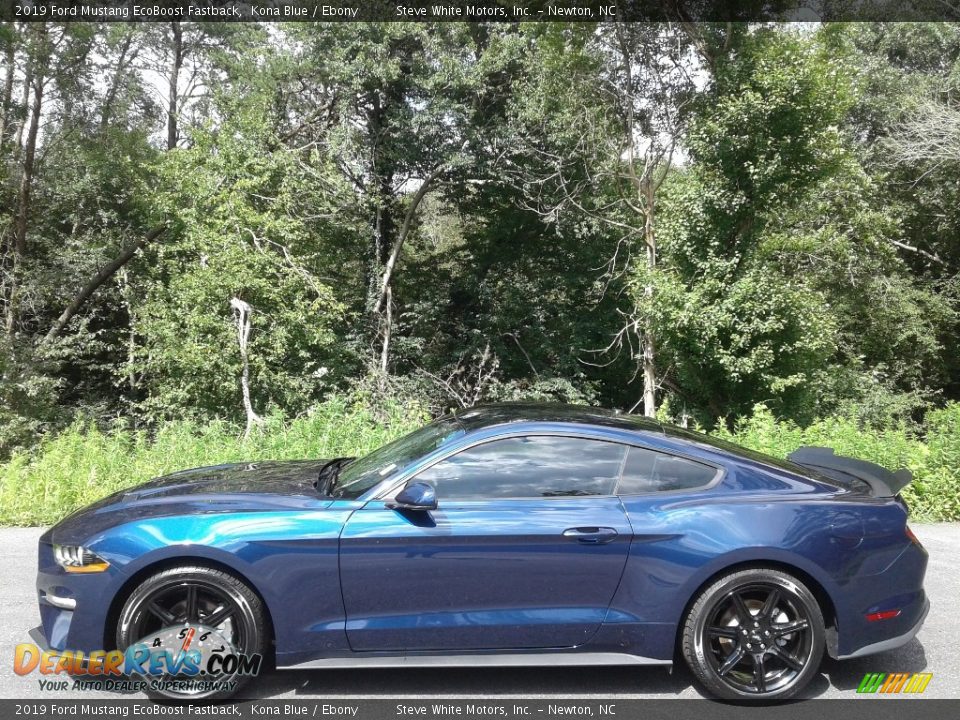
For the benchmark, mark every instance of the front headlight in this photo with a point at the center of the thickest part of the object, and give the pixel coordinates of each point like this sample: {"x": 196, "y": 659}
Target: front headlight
{"x": 76, "y": 559}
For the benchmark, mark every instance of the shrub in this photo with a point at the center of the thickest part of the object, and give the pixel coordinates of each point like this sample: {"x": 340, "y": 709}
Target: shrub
{"x": 85, "y": 463}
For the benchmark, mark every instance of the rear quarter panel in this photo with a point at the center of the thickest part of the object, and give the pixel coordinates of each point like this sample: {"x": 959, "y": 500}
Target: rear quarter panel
{"x": 757, "y": 514}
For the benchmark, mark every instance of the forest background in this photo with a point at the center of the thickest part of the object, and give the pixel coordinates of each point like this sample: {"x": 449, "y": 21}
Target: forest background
{"x": 241, "y": 241}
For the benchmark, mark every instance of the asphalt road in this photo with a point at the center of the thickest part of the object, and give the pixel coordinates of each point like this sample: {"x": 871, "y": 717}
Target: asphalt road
{"x": 934, "y": 650}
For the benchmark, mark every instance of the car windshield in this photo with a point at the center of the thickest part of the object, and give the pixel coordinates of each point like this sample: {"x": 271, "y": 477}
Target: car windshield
{"x": 361, "y": 475}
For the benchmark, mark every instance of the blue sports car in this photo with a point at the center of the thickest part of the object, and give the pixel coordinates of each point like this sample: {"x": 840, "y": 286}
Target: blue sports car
{"x": 509, "y": 534}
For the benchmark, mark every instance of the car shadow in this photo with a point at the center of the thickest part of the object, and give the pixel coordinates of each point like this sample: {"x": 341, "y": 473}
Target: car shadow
{"x": 472, "y": 682}
{"x": 609, "y": 681}
{"x": 848, "y": 674}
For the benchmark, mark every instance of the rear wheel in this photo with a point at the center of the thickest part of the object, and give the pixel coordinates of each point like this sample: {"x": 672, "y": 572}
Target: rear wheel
{"x": 226, "y": 617}
{"x": 754, "y": 634}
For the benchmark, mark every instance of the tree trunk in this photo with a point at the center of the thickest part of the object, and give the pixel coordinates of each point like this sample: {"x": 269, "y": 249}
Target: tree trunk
{"x": 643, "y": 184}
{"x": 382, "y": 309}
{"x": 6, "y": 125}
{"x": 25, "y": 190}
{"x": 404, "y": 232}
{"x": 243, "y": 335}
{"x": 173, "y": 97}
{"x": 126, "y": 293}
{"x": 24, "y": 102}
{"x": 648, "y": 340}
{"x": 29, "y": 157}
{"x": 649, "y": 376}
{"x": 384, "y": 225}
{"x": 106, "y": 110}
{"x": 383, "y": 234}
{"x": 106, "y": 272}
{"x": 387, "y": 327}
{"x": 9, "y": 73}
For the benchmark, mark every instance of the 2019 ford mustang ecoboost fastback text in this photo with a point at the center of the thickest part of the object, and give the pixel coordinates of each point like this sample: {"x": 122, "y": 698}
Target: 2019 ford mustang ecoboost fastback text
{"x": 506, "y": 535}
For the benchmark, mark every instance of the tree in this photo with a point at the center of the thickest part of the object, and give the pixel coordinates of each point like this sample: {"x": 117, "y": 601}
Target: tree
{"x": 610, "y": 135}
{"x": 763, "y": 136}
{"x": 468, "y": 212}
{"x": 241, "y": 260}
{"x": 905, "y": 79}
{"x": 402, "y": 111}
{"x": 38, "y": 51}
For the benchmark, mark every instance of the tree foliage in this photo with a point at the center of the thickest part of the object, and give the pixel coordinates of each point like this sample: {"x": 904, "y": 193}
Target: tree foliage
{"x": 700, "y": 217}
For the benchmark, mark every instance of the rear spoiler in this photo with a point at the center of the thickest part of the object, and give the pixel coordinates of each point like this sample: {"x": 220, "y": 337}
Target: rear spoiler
{"x": 882, "y": 482}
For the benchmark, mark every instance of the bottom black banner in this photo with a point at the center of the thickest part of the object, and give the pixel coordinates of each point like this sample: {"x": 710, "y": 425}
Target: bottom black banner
{"x": 865, "y": 708}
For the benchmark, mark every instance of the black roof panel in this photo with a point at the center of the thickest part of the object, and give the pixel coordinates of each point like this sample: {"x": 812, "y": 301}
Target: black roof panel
{"x": 509, "y": 412}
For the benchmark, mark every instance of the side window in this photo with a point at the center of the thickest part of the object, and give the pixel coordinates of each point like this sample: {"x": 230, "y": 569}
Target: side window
{"x": 525, "y": 467}
{"x": 648, "y": 471}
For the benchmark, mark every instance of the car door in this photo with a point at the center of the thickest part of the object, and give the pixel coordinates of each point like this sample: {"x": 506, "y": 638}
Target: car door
{"x": 525, "y": 550}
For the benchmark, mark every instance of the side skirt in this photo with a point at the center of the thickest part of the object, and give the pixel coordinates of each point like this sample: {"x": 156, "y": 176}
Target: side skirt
{"x": 479, "y": 660}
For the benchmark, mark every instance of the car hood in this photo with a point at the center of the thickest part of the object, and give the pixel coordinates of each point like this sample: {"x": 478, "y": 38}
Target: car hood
{"x": 291, "y": 477}
{"x": 238, "y": 487}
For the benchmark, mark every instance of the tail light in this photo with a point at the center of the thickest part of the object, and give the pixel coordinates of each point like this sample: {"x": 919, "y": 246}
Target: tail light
{"x": 911, "y": 537}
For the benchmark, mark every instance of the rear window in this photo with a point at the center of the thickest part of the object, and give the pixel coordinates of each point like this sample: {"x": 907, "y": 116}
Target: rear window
{"x": 647, "y": 471}
{"x": 844, "y": 482}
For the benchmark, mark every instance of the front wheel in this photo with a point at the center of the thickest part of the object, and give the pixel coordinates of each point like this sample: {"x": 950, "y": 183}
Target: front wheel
{"x": 754, "y": 635}
{"x": 195, "y": 609}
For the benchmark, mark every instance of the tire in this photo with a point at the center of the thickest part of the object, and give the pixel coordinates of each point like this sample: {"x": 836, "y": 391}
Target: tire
{"x": 770, "y": 655}
{"x": 192, "y": 596}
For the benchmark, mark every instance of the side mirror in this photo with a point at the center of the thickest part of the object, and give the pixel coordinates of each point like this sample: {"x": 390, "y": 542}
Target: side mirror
{"x": 416, "y": 496}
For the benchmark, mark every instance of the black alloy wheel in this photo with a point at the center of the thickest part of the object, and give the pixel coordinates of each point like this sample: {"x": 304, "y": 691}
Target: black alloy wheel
{"x": 754, "y": 634}
{"x": 193, "y": 596}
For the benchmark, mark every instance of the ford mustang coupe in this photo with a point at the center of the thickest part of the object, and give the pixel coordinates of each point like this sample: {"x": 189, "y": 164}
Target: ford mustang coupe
{"x": 505, "y": 535}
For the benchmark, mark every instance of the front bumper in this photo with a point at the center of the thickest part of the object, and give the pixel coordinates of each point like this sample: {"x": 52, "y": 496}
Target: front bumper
{"x": 73, "y": 607}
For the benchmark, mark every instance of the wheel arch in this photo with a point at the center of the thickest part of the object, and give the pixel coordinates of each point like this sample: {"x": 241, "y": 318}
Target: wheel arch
{"x": 823, "y": 598}
{"x": 166, "y": 563}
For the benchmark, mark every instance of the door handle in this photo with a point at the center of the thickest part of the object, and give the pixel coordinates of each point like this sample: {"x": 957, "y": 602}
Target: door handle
{"x": 591, "y": 535}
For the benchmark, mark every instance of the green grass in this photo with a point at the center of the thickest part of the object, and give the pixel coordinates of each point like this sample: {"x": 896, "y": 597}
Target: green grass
{"x": 85, "y": 463}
